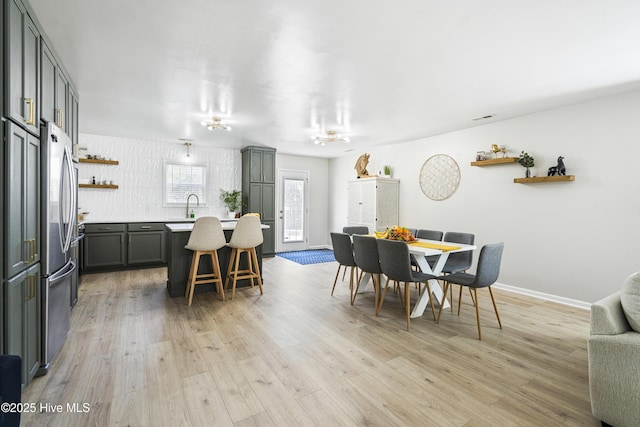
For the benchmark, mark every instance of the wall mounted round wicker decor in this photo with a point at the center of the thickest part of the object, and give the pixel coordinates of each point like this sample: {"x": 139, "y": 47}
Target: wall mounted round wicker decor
{"x": 439, "y": 177}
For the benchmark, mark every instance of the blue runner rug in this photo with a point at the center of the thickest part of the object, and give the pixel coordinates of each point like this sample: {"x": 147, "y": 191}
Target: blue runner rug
{"x": 312, "y": 256}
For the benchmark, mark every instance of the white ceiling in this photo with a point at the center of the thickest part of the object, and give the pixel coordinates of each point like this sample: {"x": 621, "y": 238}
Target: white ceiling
{"x": 282, "y": 71}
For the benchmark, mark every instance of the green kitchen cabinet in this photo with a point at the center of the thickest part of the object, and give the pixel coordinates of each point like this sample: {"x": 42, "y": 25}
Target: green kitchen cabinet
{"x": 47, "y": 83}
{"x": 22, "y": 200}
{"x": 146, "y": 243}
{"x": 72, "y": 120}
{"x": 258, "y": 190}
{"x": 104, "y": 246}
{"x": 22, "y": 320}
{"x": 22, "y": 49}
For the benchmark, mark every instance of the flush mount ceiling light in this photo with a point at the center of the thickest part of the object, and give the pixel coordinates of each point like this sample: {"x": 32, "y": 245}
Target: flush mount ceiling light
{"x": 215, "y": 123}
{"x": 332, "y": 136}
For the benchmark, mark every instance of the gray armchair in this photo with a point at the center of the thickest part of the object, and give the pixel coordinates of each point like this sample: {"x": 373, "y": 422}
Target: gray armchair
{"x": 614, "y": 365}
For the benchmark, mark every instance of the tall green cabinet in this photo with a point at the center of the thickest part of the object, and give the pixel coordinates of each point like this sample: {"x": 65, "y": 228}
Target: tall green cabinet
{"x": 28, "y": 65}
{"x": 259, "y": 190}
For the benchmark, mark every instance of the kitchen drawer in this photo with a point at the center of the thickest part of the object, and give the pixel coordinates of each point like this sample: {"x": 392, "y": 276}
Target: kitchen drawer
{"x": 146, "y": 226}
{"x": 103, "y": 228}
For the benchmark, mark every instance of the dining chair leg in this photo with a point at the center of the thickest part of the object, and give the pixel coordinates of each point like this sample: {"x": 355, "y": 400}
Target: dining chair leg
{"x": 355, "y": 292}
{"x": 495, "y": 307}
{"x": 460, "y": 298}
{"x": 384, "y": 292}
{"x": 407, "y": 296}
{"x": 444, "y": 296}
{"x": 335, "y": 280}
{"x": 433, "y": 310}
{"x": 352, "y": 297}
{"x": 475, "y": 293}
{"x": 400, "y": 292}
{"x": 451, "y": 297}
{"x": 376, "y": 289}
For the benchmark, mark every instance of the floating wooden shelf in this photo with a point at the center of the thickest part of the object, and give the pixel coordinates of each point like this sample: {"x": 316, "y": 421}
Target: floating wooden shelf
{"x": 102, "y": 162}
{"x": 555, "y": 178}
{"x": 499, "y": 161}
{"x": 97, "y": 186}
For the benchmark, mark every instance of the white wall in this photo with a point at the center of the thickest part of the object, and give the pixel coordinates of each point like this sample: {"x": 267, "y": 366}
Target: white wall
{"x": 576, "y": 240}
{"x": 319, "y": 191}
{"x": 140, "y": 175}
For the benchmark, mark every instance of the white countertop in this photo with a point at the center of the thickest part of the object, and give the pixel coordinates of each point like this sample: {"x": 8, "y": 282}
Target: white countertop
{"x": 125, "y": 220}
{"x": 188, "y": 226}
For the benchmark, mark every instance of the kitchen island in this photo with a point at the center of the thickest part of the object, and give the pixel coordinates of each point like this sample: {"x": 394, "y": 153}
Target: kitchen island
{"x": 179, "y": 258}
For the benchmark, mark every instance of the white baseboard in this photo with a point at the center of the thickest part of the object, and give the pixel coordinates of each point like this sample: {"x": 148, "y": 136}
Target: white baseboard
{"x": 541, "y": 295}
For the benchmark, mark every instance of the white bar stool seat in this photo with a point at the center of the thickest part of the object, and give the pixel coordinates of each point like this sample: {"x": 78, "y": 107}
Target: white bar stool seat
{"x": 205, "y": 239}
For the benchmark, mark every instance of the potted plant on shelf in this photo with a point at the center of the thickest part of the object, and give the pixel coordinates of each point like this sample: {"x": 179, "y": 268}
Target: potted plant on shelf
{"x": 526, "y": 161}
{"x": 232, "y": 200}
{"x": 386, "y": 171}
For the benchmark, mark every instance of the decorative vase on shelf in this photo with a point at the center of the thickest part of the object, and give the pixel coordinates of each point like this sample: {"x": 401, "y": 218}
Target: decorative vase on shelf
{"x": 527, "y": 173}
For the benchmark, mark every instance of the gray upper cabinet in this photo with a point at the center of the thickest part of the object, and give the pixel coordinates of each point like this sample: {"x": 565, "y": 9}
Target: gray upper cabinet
{"x": 72, "y": 120}
{"x": 58, "y": 100}
{"x": 23, "y": 71}
{"x": 22, "y": 200}
{"x": 48, "y": 85}
{"x": 258, "y": 188}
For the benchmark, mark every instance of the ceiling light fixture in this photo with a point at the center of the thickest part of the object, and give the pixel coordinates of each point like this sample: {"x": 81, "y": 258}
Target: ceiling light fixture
{"x": 215, "y": 123}
{"x": 187, "y": 142}
{"x": 332, "y": 136}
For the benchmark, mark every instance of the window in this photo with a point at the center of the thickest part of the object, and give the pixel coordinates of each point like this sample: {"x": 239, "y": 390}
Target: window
{"x": 181, "y": 180}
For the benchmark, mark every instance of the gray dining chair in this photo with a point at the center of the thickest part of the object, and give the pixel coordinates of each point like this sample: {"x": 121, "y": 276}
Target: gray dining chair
{"x": 395, "y": 263}
{"x": 429, "y": 234}
{"x": 458, "y": 261}
{"x": 365, "y": 252}
{"x": 486, "y": 275}
{"x": 343, "y": 252}
{"x": 355, "y": 229}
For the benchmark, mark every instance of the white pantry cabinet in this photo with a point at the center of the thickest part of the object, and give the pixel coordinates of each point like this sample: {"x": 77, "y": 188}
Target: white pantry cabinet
{"x": 373, "y": 202}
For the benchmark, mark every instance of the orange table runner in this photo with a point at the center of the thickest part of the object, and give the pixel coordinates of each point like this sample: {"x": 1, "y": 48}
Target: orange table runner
{"x": 443, "y": 248}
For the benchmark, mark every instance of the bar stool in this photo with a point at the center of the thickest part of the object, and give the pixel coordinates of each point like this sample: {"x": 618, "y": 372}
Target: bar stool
{"x": 245, "y": 238}
{"x": 205, "y": 239}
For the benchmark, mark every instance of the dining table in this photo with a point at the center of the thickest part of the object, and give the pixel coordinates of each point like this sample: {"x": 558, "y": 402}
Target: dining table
{"x": 420, "y": 249}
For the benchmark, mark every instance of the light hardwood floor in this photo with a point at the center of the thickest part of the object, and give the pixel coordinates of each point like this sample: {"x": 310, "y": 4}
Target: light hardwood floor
{"x": 298, "y": 357}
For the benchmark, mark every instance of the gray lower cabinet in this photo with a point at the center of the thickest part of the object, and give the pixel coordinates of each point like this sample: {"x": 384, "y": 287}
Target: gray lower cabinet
{"x": 22, "y": 320}
{"x": 146, "y": 243}
{"x": 115, "y": 246}
{"x": 104, "y": 246}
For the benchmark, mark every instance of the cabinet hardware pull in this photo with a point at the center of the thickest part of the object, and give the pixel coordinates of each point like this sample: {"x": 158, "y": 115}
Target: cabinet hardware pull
{"x": 32, "y": 249}
{"x": 104, "y": 228}
{"x": 145, "y": 227}
{"x": 33, "y": 281}
{"x": 61, "y": 120}
{"x": 32, "y": 111}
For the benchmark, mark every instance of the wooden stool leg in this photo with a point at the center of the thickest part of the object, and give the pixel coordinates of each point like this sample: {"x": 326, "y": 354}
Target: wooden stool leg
{"x": 216, "y": 270}
{"x": 191, "y": 284}
{"x": 235, "y": 272}
{"x": 230, "y": 267}
{"x": 257, "y": 268}
{"x": 250, "y": 266}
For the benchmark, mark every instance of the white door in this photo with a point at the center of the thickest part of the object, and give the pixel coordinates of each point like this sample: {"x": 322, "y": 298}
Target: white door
{"x": 293, "y": 211}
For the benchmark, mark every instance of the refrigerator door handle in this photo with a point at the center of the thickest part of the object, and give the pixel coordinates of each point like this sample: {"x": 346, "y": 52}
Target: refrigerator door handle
{"x": 70, "y": 220}
{"x": 65, "y": 271}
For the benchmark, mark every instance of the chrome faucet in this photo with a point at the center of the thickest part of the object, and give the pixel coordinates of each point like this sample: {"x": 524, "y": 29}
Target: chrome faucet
{"x": 189, "y": 197}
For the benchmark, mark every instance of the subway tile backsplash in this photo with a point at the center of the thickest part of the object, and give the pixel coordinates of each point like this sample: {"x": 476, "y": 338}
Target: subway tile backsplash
{"x": 139, "y": 176}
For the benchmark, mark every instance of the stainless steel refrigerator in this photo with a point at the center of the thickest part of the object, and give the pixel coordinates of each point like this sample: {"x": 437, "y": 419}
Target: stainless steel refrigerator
{"x": 59, "y": 231}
